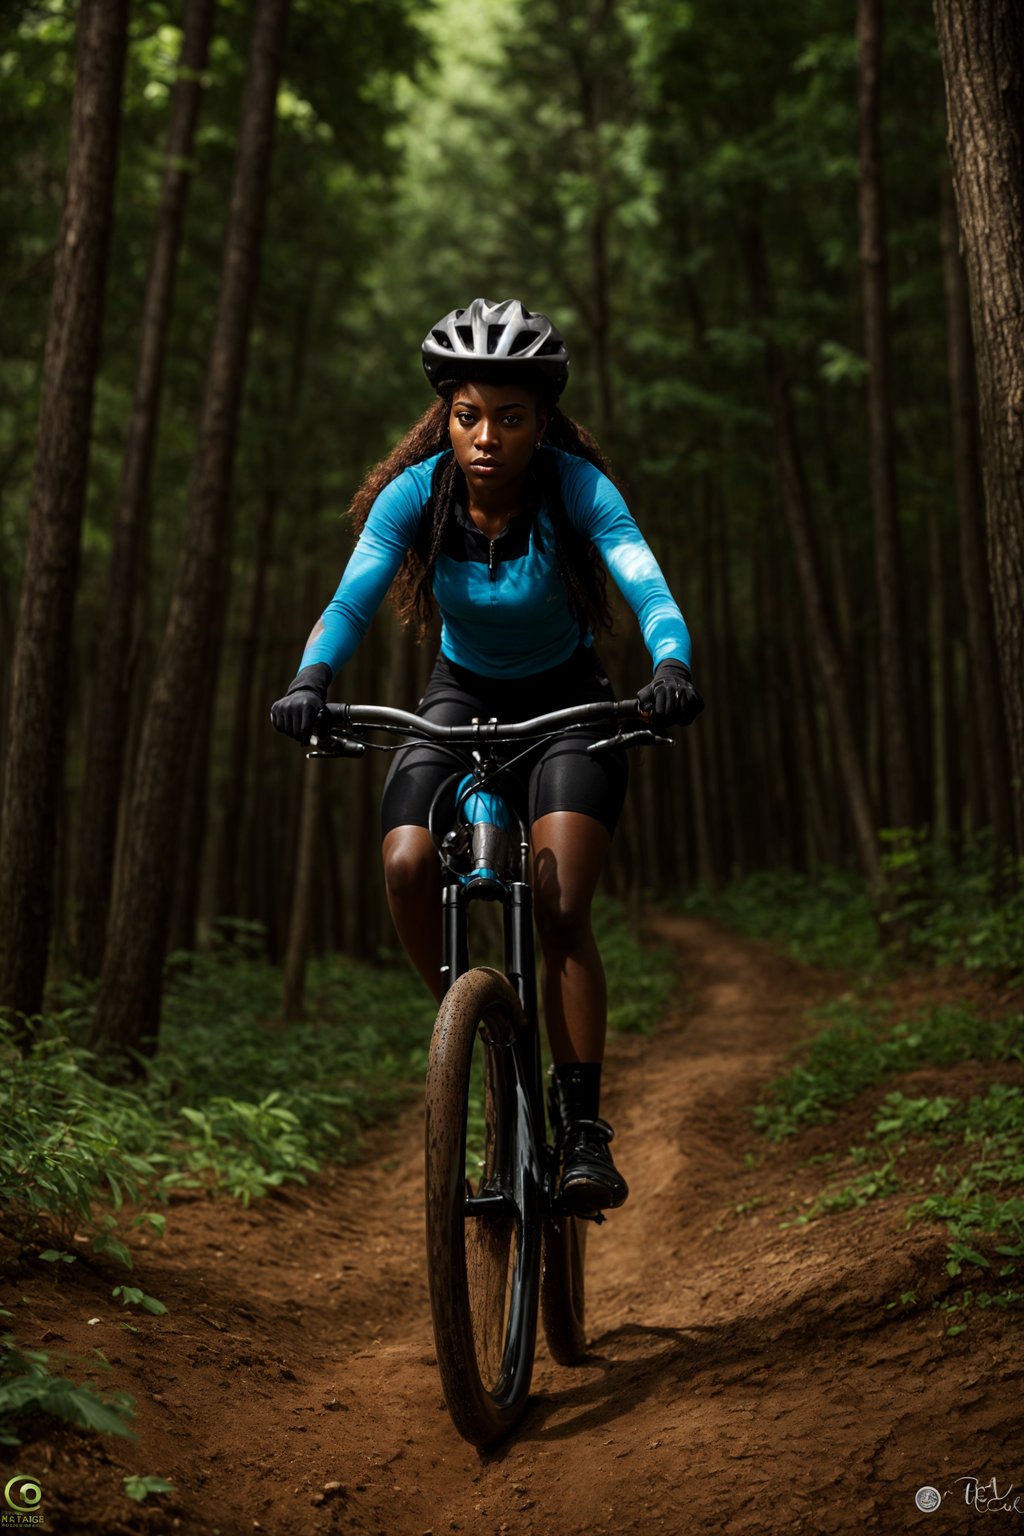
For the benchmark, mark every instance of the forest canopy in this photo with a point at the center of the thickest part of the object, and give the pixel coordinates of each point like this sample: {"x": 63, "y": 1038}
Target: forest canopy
{"x": 746, "y": 225}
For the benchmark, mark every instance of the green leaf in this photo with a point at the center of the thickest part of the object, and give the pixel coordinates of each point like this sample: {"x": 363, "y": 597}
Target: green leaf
{"x": 139, "y": 1488}
{"x": 107, "y": 1243}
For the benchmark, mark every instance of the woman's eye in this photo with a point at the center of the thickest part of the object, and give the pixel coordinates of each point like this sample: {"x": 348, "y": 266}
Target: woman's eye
{"x": 464, "y": 418}
{"x": 512, "y": 421}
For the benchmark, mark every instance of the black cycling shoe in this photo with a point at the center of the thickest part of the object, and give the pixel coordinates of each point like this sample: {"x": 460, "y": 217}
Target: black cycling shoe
{"x": 590, "y": 1180}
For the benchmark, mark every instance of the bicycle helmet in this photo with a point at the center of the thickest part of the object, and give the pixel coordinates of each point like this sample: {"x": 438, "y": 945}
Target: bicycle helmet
{"x": 489, "y": 339}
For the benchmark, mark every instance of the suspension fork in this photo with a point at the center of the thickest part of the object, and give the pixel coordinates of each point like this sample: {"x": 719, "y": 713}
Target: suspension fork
{"x": 454, "y": 934}
{"x": 521, "y": 970}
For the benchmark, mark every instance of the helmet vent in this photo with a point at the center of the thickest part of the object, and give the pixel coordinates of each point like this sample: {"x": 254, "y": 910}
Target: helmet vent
{"x": 494, "y": 335}
{"x": 465, "y": 334}
{"x": 523, "y": 341}
{"x": 442, "y": 340}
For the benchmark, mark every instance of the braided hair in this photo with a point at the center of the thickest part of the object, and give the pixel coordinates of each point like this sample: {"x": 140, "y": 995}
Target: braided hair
{"x": 579, "y": 564}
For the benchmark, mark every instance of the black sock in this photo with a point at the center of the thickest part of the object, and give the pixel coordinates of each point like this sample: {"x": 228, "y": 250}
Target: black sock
{"x": 579, "y": 1088}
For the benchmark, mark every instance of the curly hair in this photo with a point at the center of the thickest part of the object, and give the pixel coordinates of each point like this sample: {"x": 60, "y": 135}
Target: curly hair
{"x": 579, "y": 564}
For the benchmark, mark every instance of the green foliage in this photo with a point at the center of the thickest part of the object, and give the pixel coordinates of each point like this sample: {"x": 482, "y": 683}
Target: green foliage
{"x": 28, "y": 1389}
{"x": 820, "y": 920}
{"x": 641, "y": 979}
{"x": 975, "y": 1184}
{"x": 132, "y": 1296}
{"x": 859, "y": 1047}
{"x": 70, "y": 1140}
{"x": 936, "y": 909}
{"x": 140, "y": 1488}
{"x": 949, "y": 912}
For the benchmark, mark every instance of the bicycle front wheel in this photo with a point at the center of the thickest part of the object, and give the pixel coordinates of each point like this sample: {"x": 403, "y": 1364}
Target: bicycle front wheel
{"x": 483, "y": 1206}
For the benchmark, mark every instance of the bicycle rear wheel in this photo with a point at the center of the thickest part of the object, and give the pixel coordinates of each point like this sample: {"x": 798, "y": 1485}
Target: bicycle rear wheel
{"x": 562, "y": 1295}
{"x": 483, "y": 1207}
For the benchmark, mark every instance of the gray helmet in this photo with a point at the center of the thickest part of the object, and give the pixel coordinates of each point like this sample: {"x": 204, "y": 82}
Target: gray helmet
{"x": 495, "y": 339}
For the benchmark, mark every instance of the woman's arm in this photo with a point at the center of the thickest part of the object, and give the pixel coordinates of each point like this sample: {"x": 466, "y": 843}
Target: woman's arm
{"x": 598, "y": 511}
{"x": 388, "y": 534}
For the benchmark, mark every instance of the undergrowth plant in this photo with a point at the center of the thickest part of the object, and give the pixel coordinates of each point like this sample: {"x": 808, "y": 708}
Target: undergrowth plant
{"x": 29, "y": 1389}
{"x": 975, "y": 1186}
{"x": 935, "y": 907}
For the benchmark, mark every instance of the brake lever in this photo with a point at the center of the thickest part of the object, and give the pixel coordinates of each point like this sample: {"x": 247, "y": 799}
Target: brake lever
{"x": 630, "y": 739}
{"x": 336, "y": 746}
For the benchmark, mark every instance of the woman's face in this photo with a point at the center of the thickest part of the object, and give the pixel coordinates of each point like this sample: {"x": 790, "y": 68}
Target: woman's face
{"x": 494, "y": 430}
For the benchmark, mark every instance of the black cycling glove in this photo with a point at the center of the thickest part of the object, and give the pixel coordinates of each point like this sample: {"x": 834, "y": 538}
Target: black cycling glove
{"x": 670, "y": 695}
{"x": 297, "y": 712}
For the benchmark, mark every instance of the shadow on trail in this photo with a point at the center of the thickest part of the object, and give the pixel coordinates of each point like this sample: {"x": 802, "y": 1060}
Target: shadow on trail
{"x": 626, "y": 1379}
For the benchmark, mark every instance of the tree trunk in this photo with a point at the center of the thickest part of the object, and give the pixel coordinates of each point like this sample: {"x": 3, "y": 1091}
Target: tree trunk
{"x": 42, "y": 647}
{"x": 983, "y": 663}
{"x": 307, "y": 871}
{"x": 982, "y": 51}
{"x": 939, "y": 690}
{"x": 128, "y": 1007}
{"x": 279, "y": 439}
{"x": 118, "y": 652}
{"x": 894, "y": 667}
{"x": 183, "y": 929}
{"x": 812, "y": 587}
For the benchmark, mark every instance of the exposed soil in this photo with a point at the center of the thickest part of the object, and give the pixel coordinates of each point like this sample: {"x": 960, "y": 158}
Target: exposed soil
{"x": 745, "y": 1376}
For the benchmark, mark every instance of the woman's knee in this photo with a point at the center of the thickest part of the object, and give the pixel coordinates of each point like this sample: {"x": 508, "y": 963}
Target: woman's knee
{"x": 563, "y": 925}
{"x": 410, "y": 861}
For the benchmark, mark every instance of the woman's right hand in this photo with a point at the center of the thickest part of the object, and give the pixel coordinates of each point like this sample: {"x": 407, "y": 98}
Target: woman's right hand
{"x": 297, "y": 713}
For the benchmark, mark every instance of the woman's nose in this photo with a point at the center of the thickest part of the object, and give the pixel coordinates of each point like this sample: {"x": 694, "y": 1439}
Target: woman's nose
{"x": 486, "y": 431}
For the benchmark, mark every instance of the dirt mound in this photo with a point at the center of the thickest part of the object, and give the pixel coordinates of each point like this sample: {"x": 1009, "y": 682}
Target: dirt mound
{"x": 745, "y": 1377}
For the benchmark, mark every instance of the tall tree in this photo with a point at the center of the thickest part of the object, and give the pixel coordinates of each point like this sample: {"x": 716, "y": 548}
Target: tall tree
{"x": 108, "y": 716}
{"x": 982, "y": 47}
{"x": 793, "y": 488}
{"x": 128, "y": 1007}
{"x": 42, "y": 649}
{"x": 890, "y": 583}
{"x": 982, "y": 658}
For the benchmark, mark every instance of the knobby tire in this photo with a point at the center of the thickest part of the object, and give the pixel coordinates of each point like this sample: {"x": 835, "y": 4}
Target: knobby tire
{"x": 484, "y": 1265}
{"x": 562, "y": 1295}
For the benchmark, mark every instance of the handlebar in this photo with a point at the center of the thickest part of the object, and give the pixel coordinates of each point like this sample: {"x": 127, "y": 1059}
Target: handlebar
{"x": 341, "y": 718}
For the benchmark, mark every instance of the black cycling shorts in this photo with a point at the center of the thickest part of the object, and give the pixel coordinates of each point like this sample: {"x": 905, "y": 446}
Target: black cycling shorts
{"x": 553, "y": 776}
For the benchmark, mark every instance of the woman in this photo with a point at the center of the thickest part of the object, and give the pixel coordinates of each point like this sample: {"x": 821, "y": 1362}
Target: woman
{"x": 496, "y": 508}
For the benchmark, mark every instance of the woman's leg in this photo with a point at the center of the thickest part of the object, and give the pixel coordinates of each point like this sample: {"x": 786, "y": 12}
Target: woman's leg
{"x": 569, "y": 853}
{"x": 412, "y": 876}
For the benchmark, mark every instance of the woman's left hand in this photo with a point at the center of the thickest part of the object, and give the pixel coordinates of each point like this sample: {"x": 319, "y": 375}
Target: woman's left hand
{"x": 670, "y": 695}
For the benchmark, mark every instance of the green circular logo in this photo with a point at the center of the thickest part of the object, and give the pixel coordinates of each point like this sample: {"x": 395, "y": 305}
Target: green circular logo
{"x": 23, "y": 1494}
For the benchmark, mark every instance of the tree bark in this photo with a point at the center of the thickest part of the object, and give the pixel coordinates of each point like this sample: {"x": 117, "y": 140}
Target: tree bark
{"x": 983, "y": 662}
{"x": 981, "y": 43}
{"x": 812, "y": 587}
{"x": 42, "y": 647}
{"x": 128, "y": 1006}
{"x": 279, "y": 441}
{"x": 307, "y": 871}
{"x": 894, "y": 663}
{"x": 118, "y": 651}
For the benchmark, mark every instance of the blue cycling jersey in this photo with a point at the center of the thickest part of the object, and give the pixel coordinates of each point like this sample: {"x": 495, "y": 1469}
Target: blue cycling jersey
{"x": 504, "y": 607}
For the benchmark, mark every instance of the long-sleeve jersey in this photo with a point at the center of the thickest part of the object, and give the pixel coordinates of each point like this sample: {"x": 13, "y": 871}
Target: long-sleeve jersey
{"x": 504, "y": 607}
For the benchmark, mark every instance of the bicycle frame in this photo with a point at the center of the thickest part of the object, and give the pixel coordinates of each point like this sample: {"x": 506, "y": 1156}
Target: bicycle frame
{"x": 498, "y": 866}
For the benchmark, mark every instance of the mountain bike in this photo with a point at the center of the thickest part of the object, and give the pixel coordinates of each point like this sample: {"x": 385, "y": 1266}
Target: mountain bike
{"x": 500, "y": 1247}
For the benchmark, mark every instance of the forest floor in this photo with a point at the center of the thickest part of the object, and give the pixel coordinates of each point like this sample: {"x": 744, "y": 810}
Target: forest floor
{"x": 747, "y": 1374}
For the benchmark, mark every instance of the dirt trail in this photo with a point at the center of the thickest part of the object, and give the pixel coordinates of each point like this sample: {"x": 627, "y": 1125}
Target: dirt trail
{"x": 744, "y": 1378}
